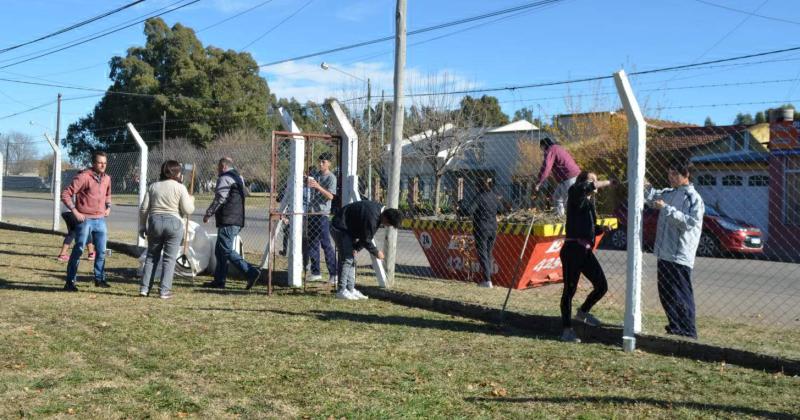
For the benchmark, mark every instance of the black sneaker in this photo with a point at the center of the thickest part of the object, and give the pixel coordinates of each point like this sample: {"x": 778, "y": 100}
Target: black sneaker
{"x": 214, "y": 285}
{"x": 101, "y": 283}
{"x": 70, "y": 287}
{"x": 255, "y": 274}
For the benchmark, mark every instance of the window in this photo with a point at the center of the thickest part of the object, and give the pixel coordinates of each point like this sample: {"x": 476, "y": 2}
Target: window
{"x": 758, "y": 181}
{"x": 732, "y": 181}
{"x": 791, "y": 191}
{"x": 707, "y": 180}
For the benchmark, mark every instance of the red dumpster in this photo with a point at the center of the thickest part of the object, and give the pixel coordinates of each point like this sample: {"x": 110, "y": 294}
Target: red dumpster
{"x": 450, "y": 250}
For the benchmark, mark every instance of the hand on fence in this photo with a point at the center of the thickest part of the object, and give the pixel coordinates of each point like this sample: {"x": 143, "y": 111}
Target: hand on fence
{"x": 659, "y": 204}
{"x": 380, "y": 255}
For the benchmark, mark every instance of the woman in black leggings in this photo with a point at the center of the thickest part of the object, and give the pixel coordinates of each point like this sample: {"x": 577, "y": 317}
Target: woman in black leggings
{"x": 577, "y": 256}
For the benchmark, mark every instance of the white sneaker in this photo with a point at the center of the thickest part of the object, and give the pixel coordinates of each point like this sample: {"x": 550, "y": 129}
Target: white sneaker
{"x": 315, "y": 277}
{"x": 345, "y": 295}
{"x": 487, "y": 284}
{"x": 333, "y": 279}
{"x": 359, "y": 295}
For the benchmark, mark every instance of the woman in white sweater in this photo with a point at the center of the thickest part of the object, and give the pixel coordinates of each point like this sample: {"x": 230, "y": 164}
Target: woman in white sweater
{"x": 165, "y": 205}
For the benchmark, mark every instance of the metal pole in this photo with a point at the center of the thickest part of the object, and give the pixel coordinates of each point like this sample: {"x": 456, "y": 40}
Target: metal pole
{"x": 636, "y": 155}
{"x": 142, "y": 173}
{"x": 8, "y": 141}
{"x": 516, "y": 268}
{"x": 397, "y": 134}
{"x": 163, "y": 133}
{"x": 369, "y": 139}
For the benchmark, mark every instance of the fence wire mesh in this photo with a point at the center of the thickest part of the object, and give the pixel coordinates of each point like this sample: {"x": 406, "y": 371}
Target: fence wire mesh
{"x": 319, "y": 187}
{"x": 743, "y": 280}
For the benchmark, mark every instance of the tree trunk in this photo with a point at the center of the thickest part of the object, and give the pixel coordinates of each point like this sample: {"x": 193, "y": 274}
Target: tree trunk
{"x": 437, "y": 194}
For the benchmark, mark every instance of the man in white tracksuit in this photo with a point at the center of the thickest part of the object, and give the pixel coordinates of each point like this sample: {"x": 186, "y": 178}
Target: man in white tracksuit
{"x": 680, "y": 224}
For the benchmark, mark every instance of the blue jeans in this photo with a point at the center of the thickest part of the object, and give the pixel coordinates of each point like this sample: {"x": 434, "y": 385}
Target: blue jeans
{"x": 96, "y": 228}
{"x": 224, "y": 252}
{"x": 164, "y": 233}
{"x": 319, "y": 232}
{"x": 347, "y": 261}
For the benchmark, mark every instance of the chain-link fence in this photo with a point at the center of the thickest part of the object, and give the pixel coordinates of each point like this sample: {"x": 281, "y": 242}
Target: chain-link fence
{"x": 739, "y": 289}
{"x": 319, "y": 188}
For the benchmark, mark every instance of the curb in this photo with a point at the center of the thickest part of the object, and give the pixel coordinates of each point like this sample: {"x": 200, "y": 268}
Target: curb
{"x": 548, "y": 325}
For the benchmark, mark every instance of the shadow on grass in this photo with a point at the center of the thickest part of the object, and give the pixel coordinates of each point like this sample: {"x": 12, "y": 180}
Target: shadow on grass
{"x": 83, "y": 286}
{"x": 27, "y": 254}
{"x": 666, "y": 404}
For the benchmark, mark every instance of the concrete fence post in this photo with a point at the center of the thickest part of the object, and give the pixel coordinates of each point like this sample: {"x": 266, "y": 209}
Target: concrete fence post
{"x": 143, "y": 151}
{"x": 56, "y": 185}
{"x": 636, "y": 164}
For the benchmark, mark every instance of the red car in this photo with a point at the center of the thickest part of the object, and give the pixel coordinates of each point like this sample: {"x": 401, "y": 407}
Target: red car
{"x": 722, "y": 235}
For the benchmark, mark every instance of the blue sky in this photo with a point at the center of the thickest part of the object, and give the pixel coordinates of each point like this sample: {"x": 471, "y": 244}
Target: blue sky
{"x": 571, "y": 39}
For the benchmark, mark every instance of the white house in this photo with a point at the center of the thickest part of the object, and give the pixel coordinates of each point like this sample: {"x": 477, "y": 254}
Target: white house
{"x": 493, "y": 152}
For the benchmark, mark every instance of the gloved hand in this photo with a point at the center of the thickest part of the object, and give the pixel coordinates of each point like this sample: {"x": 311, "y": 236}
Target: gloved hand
{"x": 143, "y": 234}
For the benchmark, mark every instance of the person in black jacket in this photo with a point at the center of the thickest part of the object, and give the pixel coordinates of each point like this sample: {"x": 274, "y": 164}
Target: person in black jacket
{"x": 577, "y": 254}
{"x": 484, "y": 210}
{"x": 353, "y": 228}
{"x": 228, "y": 211}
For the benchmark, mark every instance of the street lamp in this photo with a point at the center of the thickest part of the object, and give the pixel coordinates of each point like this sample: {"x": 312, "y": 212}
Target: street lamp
{"x": 326, "y": 66}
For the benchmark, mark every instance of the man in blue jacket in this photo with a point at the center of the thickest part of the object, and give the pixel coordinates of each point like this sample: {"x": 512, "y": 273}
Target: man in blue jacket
{"x": 680, "y": 224}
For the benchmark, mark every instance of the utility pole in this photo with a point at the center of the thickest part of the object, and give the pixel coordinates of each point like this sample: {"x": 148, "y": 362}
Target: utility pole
{"x": 57, "y": 155}
{"x": 397, "y": 134}
{"x": 163, "y": 132}
{"x": 369, "y": 139}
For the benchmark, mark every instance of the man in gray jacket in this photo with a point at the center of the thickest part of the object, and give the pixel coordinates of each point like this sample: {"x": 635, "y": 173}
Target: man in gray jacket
{"x": 680, "y": 224}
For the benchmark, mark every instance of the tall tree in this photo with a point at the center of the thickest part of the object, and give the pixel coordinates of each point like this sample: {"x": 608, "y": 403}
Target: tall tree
{"x": 760, "y": 117}
{"x": 743, "y": 119}
{"x": 523, "y": 114}
{"x": 708, "y": 122}
{"x": 204, "y": 91}
{"x": 19, "y": 152}
{"x": 485, "y": 110}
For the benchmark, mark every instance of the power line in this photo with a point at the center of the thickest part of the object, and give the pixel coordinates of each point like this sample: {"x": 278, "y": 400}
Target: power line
{"x": 27, "y": 110}
{"x": 91, "y": 34}
{"x": 75, "y": 44}
{"x": 234, "y": 16}
{"x": 748, "y": 13}
{"x": 71, "y": 27}
{"x": 536, "y": 4}
{"x": 781, "y": 101}
{"x": 258, "y": 38}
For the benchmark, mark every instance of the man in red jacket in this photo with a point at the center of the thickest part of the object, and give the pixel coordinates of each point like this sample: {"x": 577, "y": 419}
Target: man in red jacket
{"x": 560, "y": 163}
{"x": 88, "y": 197}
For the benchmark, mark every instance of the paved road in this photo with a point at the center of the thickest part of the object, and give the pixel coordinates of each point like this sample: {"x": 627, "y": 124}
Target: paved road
{"x": 738, "y": 289}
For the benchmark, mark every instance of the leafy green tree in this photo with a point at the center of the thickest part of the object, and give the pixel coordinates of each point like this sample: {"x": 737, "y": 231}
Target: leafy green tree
{"x": 485, "y": 110}
{"x": 204, "y": 91}
{"x": 523, "y": 114}
{"x": 760, "y": 117}
{"x": 743, "y": 119}
{"x": 708, "y": 122}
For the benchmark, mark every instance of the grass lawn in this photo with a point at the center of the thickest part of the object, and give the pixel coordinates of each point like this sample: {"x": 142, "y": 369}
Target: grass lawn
{"x": 107, "y": 353}
{"x": 757, "y": 337}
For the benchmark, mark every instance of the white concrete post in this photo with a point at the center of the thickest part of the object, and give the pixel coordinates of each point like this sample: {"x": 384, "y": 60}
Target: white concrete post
{"x": 56, "y": 182}
{"x": 142, "y": 175}
{"x": 349, "y": 170}
{"x": 295, "y": 199}
{"x": 637, "y": 141}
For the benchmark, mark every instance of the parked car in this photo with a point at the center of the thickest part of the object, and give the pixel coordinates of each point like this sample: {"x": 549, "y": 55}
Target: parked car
{"x": 722, "y": 235}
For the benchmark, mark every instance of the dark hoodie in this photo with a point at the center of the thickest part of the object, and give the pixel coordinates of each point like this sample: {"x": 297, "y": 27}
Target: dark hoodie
{"x": 228, "y": 204}
{"x": 360, "y": 220}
